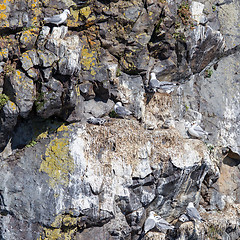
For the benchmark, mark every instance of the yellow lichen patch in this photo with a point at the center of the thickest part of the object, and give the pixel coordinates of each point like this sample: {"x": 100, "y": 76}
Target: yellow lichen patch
{"x": 18, "y": 76}
{"x": 93, "y": 72}
{"x": 4, "y": 53}
{"x": 13, "y": 106}
{"x": 69, "y": 221}
{"x": 54, "y": 234}
{"x": 77, "y": 90}
{"x": 85, "y": 12}
{"x": 55, "y": 231}
{"x": 3, "y": 16}
{"x": 58, "y": 163}
{"x": 4, "y": 13}
{"x": 88, "y": 59}
{"x": 57, "y": 222}
{"x": 29, "y": 35}
{"x": 62, "y": 128}
{"x": 36, "y": 11}
{"x": 2, "y": 7}
{"x": 26, "y": 59}
{"x": 42, "y": 135}
{"x": 73, "y": 21}
{"x": 90, "y": 22}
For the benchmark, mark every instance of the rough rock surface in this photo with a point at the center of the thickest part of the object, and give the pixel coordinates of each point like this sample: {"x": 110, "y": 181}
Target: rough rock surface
{"x": 62, "y": 178}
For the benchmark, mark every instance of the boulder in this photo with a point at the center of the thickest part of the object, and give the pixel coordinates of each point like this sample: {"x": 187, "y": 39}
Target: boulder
{"x": 22, "y": 91}
{"x": 49, "y": 101}
{"x": 28, "y": 38}
{"x": 8, "y": 120}
{"x": 46, "y": 58}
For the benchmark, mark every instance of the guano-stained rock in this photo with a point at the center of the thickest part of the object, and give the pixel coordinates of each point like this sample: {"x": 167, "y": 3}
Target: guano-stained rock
{"x": 63, "y": 178}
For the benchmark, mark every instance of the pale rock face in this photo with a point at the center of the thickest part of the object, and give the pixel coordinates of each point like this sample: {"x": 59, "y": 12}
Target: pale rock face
{"x": 197, "y": 10}
{"x": 67, "y": 48}
{"x": 193, "y": 154}
{"x": 130, "y": 91}
{"x": 228, "y": 15}
{"x": 83, "y": 181}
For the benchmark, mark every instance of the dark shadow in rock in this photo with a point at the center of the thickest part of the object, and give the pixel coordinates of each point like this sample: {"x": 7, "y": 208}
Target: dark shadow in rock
{"x": 62, "y": 78}
{"x": 101, "y": 90}
{"x": 27, "y": 130}
{"x": 103, "y": 1}
{"x": 149, "y": 97}
{"x": 231, "y": 161}
{"x": 80, "y": 3}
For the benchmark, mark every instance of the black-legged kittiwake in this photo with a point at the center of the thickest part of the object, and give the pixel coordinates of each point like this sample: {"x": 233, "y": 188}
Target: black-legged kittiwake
{"x": 121, "y": 111}
{"x": 193, "y": 213}
{"x": 157, "y": 222}
{"x": 196, "y": 131}
{"x": 58, "y": 19}
{"x": 96, "y": 121}
{"x": 154, "y": 85}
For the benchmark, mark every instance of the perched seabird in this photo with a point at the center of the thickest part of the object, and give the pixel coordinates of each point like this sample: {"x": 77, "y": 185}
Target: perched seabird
{"x": 196, "y": 131}
{"x": 155, "y": 221}
{"x": 154, "y": 85}
{"x": 193, "y": 213}
{"x": 121, "y": 111}
{"x": 96, "y": 121}
{"x": 58, "y": 19}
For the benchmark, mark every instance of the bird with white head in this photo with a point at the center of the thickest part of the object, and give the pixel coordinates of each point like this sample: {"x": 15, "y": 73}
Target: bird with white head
{"x": 121, "y": 111}
{"x": 58, "y": 19}
{"x": 196, "y": 131}
{"x": 193, "y": 213}
{"x": 154, "y": 85}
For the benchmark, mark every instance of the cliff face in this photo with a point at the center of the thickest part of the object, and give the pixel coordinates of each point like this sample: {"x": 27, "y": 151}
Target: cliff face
{"x": 63, "y": 178}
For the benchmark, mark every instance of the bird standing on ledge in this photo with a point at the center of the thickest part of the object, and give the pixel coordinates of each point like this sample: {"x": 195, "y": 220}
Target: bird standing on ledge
{"x": 58, "y": 19}
{"x": 193, "y": 213}
{"x": 154, "y": 221}
{"x": 121, "y": 111}
{"x": 154, "y": 85}
{"x": 196, "y": 131}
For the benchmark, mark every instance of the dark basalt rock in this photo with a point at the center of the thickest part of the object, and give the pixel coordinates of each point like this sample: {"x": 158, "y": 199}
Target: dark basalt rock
{"x": 8, "y": 120}
{"x": 49, "y": 102}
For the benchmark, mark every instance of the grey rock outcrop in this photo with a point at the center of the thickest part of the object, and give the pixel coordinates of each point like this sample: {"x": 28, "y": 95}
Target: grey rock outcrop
{"x": 21, "y": 91}
{"x": 63, "y": 178}
{"x": 8, "y": 120}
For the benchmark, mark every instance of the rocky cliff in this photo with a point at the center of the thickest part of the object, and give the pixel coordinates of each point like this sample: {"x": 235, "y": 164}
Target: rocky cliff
{"x": 65, "y": 178}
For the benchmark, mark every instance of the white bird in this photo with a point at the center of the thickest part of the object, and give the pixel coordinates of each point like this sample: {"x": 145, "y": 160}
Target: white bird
{"x": 96, "y": 121}
{"x": 193, "y": 213}
{"x": 155, "y": 85}
{"x": 155, "y": 221}
{"x": 58, "y": 19}
{"x": 196, "y": 131}
{"x": 121, "y": 111}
